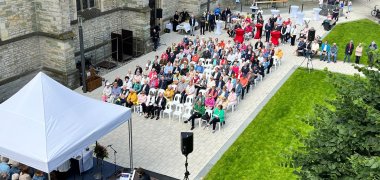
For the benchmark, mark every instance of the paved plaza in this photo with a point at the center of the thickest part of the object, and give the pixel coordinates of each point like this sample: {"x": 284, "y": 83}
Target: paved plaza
{"x": 156, "y": 144}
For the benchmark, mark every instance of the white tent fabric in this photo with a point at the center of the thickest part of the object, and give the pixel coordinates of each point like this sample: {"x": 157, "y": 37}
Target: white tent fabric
{"x": 45, "y": 124}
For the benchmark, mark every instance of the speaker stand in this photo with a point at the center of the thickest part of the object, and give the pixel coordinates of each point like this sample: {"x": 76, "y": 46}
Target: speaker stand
{"x": 187, "y": 173}
{"x": 309, "y": 63}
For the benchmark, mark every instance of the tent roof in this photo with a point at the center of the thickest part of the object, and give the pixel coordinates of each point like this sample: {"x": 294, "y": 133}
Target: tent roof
{"x": 45, "y": 124}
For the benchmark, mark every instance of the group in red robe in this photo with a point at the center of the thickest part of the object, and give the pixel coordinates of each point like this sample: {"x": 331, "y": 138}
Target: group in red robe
{"x": 275, "y": 35}
{"x": 248, "y": 29}
{"x": 259, "y": 28}
{"x": 239, "y": 37}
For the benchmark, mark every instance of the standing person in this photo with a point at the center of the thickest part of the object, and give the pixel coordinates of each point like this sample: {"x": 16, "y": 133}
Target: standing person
{"x": 192, "y": 25}
{"x": 212, "y": 22}
{"x": 358, "y": 53}
{"x": 267, "y": 31}
{"x": 202, "y": 25}
{"x": 228, "y": 21}
{"x": 348, "y": 51}
{"x": 349, "y": 5}
{"x": 283, "y": 34}
{"x": 371, "y": 48}
{"x": 336, "y": 14}
{"x": 156, "y": 37}
{"x": 217, "y": 12}
{"x": 175, "y": 21}
{"x": 320, "y": 4}
{"x": 208, "y": 21}
{"x": 287, "y": 35}
{"x": 293, "y": 34}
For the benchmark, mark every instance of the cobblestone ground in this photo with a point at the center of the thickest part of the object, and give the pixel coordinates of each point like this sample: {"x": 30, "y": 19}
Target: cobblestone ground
{"x": 156, "y": 144}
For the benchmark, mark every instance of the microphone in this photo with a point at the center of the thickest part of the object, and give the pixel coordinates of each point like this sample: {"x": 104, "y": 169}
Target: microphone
{"x": 109, "y": 145}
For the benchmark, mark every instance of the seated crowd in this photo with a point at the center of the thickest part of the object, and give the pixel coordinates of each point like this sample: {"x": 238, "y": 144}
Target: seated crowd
{"x": 12, "y": 170}
{"x": 195, "y": 76}
{"x": 329, "y": 52}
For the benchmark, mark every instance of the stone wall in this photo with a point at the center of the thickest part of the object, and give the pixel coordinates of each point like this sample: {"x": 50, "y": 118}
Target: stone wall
{"x": 57, "y": 54}
{"x": 135, "y": 3}
{"x": 99, "y": 28}
{"x": 139, "y": 23}
{"x": 19, "y": 57}
{"x": 16, "y": 18}
{"x": 192, "y": 6}
{"x": 53, "y": 16}
{"x": 57, "y": 60}
{"x": 169, "y": 9}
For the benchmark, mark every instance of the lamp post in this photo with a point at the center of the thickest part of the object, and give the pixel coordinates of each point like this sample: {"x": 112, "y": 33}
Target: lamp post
{"x": 83, "y": 63}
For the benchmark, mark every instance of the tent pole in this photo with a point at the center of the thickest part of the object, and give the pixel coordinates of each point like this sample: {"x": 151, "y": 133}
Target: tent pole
{"x": 130, "y": 145}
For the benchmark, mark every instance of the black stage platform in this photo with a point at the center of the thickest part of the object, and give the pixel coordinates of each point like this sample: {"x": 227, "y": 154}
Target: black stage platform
{"x": 108, "y": 172}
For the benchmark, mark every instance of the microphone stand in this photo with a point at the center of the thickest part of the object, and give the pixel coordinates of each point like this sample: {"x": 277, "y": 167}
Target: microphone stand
{"x": 114, "y": 155}
{"x": 187, "y": 173}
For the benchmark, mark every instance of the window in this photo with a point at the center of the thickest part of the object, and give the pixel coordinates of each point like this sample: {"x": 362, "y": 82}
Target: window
{"x": 85, "y": 4}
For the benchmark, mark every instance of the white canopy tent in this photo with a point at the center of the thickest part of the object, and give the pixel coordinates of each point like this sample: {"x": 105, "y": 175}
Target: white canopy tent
{"x": 45, "y": 124}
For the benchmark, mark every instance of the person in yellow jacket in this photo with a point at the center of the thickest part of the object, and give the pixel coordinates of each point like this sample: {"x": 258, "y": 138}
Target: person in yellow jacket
{"x": 279, "y": 54}
{"x": 169, "y": 93}
{"x": 131, "y": 99}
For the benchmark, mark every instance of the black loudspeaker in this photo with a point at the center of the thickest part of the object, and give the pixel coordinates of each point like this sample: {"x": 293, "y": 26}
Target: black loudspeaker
{"x": 311, "y": 35}
{"x": 159, "y": 13}
{"x": 117, "y": 48}
{"x": 186, "y": 143}
{"x": 127, "y": 42}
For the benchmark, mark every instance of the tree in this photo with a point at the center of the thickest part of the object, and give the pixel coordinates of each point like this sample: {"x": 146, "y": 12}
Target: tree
{"x": 345, "y": 142}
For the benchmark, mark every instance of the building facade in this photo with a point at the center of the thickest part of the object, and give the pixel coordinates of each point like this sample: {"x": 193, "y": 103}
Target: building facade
{"x": 42, "y": 35}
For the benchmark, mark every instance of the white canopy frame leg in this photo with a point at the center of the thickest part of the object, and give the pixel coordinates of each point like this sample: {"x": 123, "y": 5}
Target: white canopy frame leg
{"x": 130, "y": 145}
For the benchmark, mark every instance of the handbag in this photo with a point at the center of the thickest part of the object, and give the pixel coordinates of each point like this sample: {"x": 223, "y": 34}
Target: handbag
{"x": 206, "y": 117}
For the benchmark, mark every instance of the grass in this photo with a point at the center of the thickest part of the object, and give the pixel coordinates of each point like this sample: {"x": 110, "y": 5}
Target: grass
{"x": 267, "y": 143}
{"x": 362, "y": 31}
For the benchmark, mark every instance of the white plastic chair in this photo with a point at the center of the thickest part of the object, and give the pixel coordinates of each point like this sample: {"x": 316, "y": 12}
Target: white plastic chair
{"x": 202, "y": 91}
{"x": 187, "y": 113}
{"x": 210, "y": 112}
{"x": 177, "y": 99}
{"x": 161, "y": 91}
{"x": 260, "y": 77}
{"x": 178, "y": 111}
{"x": 189, "y": 101}
{"x": 168, "y": 110}
{"x": 233, "y": 107}
{"x": 153, "y": 90}
{"x": 202, "y": 60}
{"x": 208, "y": 61}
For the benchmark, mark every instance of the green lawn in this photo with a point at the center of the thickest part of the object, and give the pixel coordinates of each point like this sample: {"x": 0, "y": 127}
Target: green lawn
{"x": 361, "y": 31}
{"x": 263, "y": 147}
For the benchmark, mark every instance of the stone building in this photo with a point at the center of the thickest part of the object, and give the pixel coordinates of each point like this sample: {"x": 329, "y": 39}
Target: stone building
{"x": 42, "y": 35}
